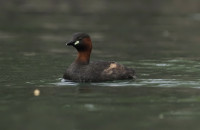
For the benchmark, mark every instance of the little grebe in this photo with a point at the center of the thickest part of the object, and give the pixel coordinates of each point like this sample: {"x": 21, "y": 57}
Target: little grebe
{"x": 81, "y": 70}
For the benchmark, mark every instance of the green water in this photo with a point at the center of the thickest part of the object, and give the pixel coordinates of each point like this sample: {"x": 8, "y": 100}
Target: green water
{"x": 160, "y": 39}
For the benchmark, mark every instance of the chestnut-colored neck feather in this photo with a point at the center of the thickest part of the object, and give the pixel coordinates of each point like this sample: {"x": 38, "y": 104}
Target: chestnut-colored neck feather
{"x": 83, "y": 57}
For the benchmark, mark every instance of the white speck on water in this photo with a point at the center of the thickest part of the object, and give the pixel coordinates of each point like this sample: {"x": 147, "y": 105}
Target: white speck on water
{"x": 36, "y": 92}
{"x": 162, "y": 64}
{"x": 90, "y": 107}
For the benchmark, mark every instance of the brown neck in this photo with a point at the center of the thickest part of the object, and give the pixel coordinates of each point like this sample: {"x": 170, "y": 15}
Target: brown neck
{"x": 84, "y": 52}
{"x": 83, "y": 57}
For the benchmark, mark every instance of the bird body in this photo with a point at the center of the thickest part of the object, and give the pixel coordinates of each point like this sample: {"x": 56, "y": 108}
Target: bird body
{"x": 81, "y": 70}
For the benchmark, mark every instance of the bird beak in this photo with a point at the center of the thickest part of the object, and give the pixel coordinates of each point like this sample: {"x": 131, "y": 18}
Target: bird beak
{"x": 70, "y": 43}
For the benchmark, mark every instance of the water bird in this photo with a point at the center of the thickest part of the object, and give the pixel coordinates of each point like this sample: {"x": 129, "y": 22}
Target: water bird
{"x": 82, "y": 70}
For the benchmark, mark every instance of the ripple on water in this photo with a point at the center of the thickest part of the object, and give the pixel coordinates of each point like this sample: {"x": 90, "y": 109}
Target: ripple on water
{"x": 170, "y": 83}
{"x": 137, "y": 83}
{"x": 64, "y": 82}
{"x": 118, "y": 84}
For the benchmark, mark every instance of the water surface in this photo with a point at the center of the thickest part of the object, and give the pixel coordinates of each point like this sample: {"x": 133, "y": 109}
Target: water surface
{"x": 160, "y": 39}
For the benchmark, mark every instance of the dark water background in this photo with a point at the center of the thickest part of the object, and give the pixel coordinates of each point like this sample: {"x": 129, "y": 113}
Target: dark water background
{"x": 159, "y": 38}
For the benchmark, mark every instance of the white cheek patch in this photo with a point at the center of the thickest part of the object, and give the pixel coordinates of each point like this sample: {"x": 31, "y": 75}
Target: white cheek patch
{"x": 77, "y": 42}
